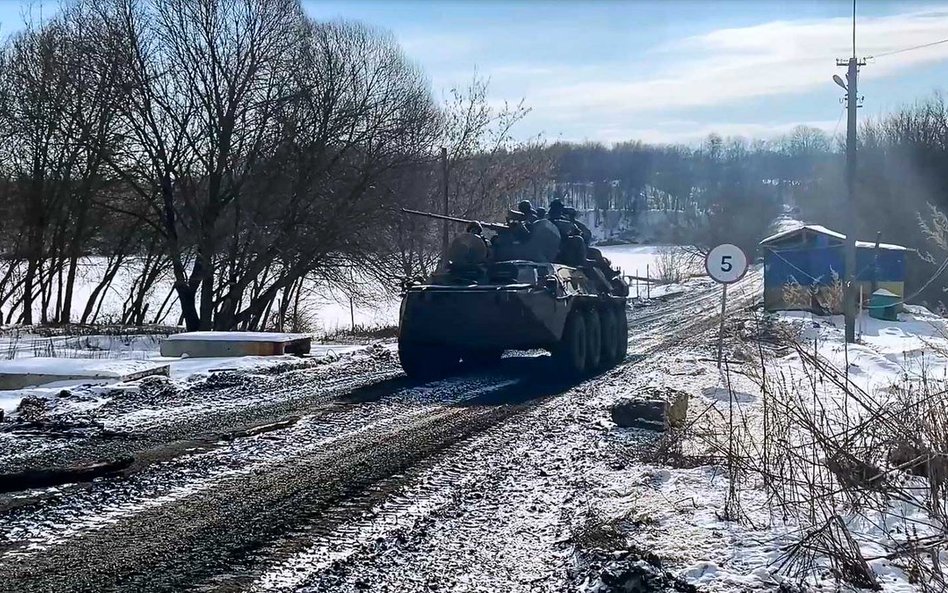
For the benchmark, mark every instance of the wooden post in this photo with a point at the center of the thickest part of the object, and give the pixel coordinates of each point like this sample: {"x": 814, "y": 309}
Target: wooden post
{"x": 648, "y": 283}
{"x": 444, "y": 182}
{"x": 352, "y": 315}
{"x": 859, "y": 318}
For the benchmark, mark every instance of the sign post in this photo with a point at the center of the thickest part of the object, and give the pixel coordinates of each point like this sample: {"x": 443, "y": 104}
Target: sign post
{"x": 726, "y": 264}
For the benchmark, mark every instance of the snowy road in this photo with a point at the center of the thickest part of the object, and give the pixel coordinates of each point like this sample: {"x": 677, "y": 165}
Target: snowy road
{"x": 367, "y": 482}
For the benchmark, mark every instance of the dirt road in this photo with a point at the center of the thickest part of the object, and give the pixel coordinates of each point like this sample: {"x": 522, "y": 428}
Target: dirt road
{"x": 335, "y": 477}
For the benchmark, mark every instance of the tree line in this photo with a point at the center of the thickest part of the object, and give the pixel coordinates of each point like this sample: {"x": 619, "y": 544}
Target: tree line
{"x": 240, "y": 152}
{"x": 236, "y": 147}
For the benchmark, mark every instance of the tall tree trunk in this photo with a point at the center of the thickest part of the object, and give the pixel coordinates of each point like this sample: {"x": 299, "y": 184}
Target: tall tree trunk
{"x": 28, "y": 290}
{"x": 65, "y": 315}
{"x": 75, "y": 246}
{"x": 207, "y": 291}
{"x": 112, "y": 268}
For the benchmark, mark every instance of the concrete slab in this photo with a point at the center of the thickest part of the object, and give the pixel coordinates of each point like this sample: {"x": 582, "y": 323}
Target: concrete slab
{"x": 211, "y": 344}
{"x": 26, "y": 372}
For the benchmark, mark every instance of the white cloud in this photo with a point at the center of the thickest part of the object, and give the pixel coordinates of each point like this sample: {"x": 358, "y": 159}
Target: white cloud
{"x": 776, "y": 58}
{"x": 602, "y": 84}
{"x": 718, "y": 69}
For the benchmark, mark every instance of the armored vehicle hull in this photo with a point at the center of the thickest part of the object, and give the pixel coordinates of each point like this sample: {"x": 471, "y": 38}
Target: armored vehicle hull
{"x": 457, "y": 320}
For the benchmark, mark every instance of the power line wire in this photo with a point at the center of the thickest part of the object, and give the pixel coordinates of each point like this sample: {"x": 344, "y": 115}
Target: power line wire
{"x": 914, "y": 47}
{"x": 838, "y": 120}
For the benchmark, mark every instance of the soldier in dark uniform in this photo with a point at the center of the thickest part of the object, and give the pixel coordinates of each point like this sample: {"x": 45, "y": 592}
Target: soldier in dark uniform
{"x": 572, "y": 247}
{"x": 583, "y": 229}
{"x": 529, "y": 214}
{"x": 556, "y": 210}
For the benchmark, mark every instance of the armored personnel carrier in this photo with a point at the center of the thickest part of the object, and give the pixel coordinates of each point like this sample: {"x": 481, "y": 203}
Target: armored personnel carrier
{"x": 474, "y": 308}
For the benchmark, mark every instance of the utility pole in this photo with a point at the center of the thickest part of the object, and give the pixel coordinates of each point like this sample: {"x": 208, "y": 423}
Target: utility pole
{"x": 444, "y": 180}
{"x": 852, "y": 98}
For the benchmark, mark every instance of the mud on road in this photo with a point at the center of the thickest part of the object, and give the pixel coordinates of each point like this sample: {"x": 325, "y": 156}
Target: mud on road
{"x": 359, "y": 479}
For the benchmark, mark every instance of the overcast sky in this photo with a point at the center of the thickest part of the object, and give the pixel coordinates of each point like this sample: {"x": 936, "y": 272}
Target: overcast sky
{"x": 669, "y": 71}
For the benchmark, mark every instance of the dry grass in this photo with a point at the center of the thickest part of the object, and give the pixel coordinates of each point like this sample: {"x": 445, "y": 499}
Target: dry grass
{"x": 835, "y": 461}
{"x": 826, "y": 299}
{"x": 673, "y": 264}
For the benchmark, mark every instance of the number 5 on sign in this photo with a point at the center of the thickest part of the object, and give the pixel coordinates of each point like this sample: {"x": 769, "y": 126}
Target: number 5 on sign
{"x": 725, "y": 264}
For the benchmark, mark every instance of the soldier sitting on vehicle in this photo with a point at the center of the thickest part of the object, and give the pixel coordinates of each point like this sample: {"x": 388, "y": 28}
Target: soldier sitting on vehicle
{"x": 529, "y": 238}
{"x": 508, "y": 243}
{"x": 584, "y": 231}
{"x": 572, "y": 247}
{"x": 544, "y": 242}
{"x": 529, "y": 214}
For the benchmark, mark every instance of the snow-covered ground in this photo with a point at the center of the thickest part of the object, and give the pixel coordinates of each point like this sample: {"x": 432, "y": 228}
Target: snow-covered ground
{"x": 325, "y": 309}
{"x": 101, "y": 358}
{"x": 887, "y": 352}
{"x": 642, "y": 260}
{"x": 678, "y": 505}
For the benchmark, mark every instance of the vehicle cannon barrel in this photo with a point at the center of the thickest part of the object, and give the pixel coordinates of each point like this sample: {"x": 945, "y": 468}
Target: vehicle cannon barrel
{"x": 494, "y": 226}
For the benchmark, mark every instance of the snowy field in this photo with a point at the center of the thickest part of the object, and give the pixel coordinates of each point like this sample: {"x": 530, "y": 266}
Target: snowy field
{"x": 105, "y": 355}
{"x": 326, "y": 310}
{"x": 647, "y": 260}
{"x": 725, "y": 533}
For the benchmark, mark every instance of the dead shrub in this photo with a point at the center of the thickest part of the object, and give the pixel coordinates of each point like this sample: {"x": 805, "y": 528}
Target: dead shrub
{"x": 814, "y": 297}
{"x": 672, "y": 264}
{"x": 797, "y": 296}
{"x": 597, "y": 531}
{"x": 834, "y": 542}
{"x": 831, "y": 458}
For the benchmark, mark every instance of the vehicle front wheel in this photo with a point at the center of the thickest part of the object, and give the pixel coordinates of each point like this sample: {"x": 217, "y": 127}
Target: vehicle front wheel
{"x": 569, "y": 355}
{"x": 594, "y": 340}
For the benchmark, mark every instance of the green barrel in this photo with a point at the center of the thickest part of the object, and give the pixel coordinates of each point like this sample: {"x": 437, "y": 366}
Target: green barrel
{"x": 885, "y": 305}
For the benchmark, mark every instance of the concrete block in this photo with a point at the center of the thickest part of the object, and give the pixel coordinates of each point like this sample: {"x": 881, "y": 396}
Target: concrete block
{"x": 212, "y": 344}
{"x": 655, "y": 410}
{"x": 26, "y": 372}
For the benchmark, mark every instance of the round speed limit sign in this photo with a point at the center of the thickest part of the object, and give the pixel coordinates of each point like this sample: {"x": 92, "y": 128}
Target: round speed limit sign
{"x": 726, "y": 263}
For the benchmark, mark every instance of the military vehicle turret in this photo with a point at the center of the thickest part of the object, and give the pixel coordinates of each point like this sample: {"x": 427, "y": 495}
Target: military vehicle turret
{"x": 476, "y": 306}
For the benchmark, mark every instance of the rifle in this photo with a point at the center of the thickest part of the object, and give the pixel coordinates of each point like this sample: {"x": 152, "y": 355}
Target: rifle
{"x": 494, "y": 226}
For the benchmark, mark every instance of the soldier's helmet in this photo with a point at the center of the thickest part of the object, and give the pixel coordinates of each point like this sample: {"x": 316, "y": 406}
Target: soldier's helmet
{"x": 525, "y": 206}
{"x": 556, "y": 209}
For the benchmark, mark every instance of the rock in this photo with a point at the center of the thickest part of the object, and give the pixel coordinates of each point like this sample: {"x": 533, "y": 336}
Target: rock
{"x": 657, "y": 410}
{"x": 635, "y": 574}
{"x": 32, "y": 408}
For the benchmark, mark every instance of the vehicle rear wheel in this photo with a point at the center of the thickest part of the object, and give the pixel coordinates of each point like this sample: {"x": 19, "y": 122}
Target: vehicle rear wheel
{"x": 610, "y": 337}
{"x": 569, "y": 355}
{"x": 622, "y": 334}
{"x": 594, "y": 340}
{"x": 427, "y": 361}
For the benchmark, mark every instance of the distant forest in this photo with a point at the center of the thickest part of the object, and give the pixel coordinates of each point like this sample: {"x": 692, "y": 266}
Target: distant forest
{"x": 733, "y": 188}
{"x": 238, "y": 150}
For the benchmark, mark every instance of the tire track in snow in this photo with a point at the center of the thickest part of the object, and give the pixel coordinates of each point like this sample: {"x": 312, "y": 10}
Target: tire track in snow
{"x": 30, "y": 532}
{"x": 204, "y": 533}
